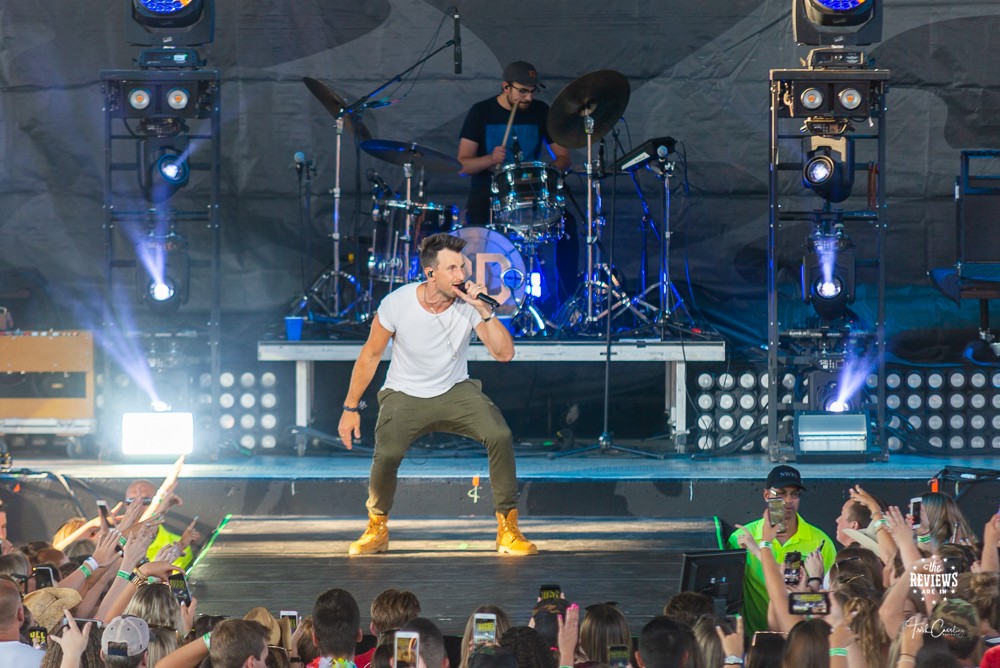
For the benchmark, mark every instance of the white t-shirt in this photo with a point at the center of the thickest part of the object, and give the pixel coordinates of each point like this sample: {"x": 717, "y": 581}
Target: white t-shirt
{"x": 429, "y": 351}
{"x": 18, "y": 655}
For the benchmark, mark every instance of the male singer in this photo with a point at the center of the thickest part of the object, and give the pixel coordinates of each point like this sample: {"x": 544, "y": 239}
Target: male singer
{"x": 427, "y": 387}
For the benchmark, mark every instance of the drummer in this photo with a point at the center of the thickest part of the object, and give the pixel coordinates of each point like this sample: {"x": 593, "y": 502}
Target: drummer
{"x": 481, "y": 149}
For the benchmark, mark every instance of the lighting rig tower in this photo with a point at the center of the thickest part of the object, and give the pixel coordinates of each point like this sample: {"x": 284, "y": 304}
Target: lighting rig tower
{"x": 827, "y": 126}
{"x": 161, "y": 213}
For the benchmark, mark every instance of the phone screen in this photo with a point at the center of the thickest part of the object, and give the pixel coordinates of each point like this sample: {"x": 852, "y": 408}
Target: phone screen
{"x": 549, "y": 591}
{"x": 776, "y": 511}
{"x": 293, "y": 618}
{"x": 407, "y": 649}
{"x": 38, "y": 637}
{"x": 915, "y": 503}
{"x": 793, "y": 564}
{"x": 809, "y": 603}
{"x": 44, "y": 577}
{"x": 618, "y": 656}
{"x": 178, "y": 585}
{"x": 484, "y": 631}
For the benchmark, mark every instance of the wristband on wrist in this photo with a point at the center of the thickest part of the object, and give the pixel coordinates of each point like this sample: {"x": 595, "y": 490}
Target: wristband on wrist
{"x": 124, "y": 575}
{"x": 925, "y": 538}
{"x": 764, "y": 543}
{"x": 838, "y": 651}
{"x": 91, "y": 563}
{"x": 86, "y": 571}
{"x": 489, "y": 317}
{"x": 122, "y": 541}
{"x": 356, "y": 409}
{"x": 207, "y": 639}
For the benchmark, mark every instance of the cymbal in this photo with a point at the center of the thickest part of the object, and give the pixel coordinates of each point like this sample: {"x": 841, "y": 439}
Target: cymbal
{"x": 603, "y": 95}
{"x": 400, "y": 153}
{"x": 334, "y": 104}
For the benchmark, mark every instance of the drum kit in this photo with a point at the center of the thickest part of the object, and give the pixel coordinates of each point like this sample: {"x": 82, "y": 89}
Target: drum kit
{"x": 527, "y": 209}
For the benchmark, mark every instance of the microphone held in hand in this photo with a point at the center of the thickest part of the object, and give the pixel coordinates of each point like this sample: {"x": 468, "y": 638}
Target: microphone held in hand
{"x": 483, "y": 297}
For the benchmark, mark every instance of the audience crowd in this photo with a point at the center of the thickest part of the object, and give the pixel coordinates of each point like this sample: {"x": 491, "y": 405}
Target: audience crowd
{"x": 898, "y": 587}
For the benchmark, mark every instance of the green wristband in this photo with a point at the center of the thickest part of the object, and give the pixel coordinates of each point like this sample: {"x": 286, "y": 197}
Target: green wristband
{"x": 838, "y": 651}
{"x": 125, "y": 576}
{"x": 207, "y": 639}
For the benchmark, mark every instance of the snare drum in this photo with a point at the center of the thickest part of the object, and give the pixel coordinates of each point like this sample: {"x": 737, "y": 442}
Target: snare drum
{"x": 389, "y": 241}
{"x": 496, "y": 264}
{"x": 528, "y": 201}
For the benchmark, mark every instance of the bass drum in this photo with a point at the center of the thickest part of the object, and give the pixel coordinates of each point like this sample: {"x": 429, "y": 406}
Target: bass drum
{"x": 495, "y": 263}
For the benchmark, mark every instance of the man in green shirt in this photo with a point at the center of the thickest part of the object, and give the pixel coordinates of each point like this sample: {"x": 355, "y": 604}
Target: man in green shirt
{"x": 783, "y": 482}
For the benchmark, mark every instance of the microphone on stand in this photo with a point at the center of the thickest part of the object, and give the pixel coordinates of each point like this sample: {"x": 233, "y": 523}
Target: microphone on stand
{"x": 458, "y": 41}
{"x": 300, "y": 161}
{"x": 379, "y": 183}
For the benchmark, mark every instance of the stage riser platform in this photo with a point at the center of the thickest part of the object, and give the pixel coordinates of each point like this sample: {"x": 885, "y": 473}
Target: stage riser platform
{"x": 39, "y": 505}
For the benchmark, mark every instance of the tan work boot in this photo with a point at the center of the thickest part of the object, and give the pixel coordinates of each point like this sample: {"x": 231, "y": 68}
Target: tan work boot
{"x": 510, "y": 540}
{"x": 375, "y": 538}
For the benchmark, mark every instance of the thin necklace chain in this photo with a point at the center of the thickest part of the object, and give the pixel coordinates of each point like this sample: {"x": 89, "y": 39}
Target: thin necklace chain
{"x": 444, "y": 328}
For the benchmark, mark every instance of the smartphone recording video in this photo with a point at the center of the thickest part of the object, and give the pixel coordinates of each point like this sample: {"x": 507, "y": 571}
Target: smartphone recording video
{"x": 38, "y": 637}
{"x": 484, "y": 629}
{"x": 105, "y": 514}
{"x": 915, "y": 504}
{"x": 407, "y": 648}
{"x": 292, "y": 616}
{"x": 793, "y": 568}
{"x": 179, "y": 586}
{"x": 548, "y": 591}
{"x": 618, "y": 656}
{"x": 45, "y": 576}
{"x": 809, "y": 603}
{"x": 776, "y": 512}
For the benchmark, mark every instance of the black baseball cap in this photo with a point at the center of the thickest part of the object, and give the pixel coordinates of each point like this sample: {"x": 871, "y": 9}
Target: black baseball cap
{"x": 784, "y": 476}
{"x": 522, "y": 72}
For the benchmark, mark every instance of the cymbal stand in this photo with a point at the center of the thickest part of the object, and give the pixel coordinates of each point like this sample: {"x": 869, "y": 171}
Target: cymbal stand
{"x": 667, "y": 292}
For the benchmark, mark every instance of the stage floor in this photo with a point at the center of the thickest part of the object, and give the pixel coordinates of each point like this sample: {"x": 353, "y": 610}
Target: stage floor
{"x": 451, "y": 565}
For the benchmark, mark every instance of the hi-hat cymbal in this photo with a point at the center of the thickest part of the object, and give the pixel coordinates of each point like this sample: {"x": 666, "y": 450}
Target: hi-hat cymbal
{"x": 602, "y": 95}
{"x": 400, "y": 153}
{"x": 334, "y": 104}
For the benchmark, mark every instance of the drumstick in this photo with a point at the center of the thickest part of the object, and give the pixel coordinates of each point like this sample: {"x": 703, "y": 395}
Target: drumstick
{"x": 510, "y": 122}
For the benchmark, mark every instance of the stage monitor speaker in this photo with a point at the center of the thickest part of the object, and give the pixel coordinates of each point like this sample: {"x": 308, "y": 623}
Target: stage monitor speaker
{"x": 977, "y": 197}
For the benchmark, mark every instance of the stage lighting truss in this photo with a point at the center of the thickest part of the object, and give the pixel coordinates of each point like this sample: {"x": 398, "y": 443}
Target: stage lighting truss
{"x": 837, "y": 22}
{"x": 163, "y": 272}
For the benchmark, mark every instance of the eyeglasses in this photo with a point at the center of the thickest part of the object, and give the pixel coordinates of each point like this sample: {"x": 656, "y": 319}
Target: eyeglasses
{"x": 146, "y": 500}
{"x": 782, "y": 494}
{"x": 524, "y": 91}
{"x": 277, "y": 648}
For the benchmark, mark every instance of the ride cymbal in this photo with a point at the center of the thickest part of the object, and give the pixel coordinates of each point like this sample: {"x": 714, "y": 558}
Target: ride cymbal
{"x": 400, "y": 153}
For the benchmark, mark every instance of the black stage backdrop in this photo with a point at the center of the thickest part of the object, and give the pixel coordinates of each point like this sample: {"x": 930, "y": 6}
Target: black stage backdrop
{"x": 698, "y": 72}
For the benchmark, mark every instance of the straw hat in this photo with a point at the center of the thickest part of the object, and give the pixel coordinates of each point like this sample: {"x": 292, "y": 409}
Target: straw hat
{"x": 263, "y": 617}
{"x": 48, "y": 605}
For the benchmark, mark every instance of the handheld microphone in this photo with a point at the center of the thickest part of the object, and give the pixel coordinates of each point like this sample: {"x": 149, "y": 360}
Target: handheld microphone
{"x": 458, "y": 41}
{"x": 483, "y": 297}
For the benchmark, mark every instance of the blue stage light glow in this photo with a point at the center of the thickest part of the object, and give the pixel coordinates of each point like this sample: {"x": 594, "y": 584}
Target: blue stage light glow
{"x": 165, "y": 7}
{"x": 842, "y": 5}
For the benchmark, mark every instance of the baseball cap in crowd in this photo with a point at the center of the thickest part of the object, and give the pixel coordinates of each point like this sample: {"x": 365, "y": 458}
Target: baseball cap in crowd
{"x": 129, "y": 634}
{"x": 523, "y": 73}
{"x": 958, "y": 623}
{"x": 784, "y": 476}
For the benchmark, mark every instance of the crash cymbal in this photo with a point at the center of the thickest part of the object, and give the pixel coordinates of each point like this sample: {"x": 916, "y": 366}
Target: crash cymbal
{"x": 602, "y": 95}
{"x": 400, "y": 153}
{"x": 334, "y": 104}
